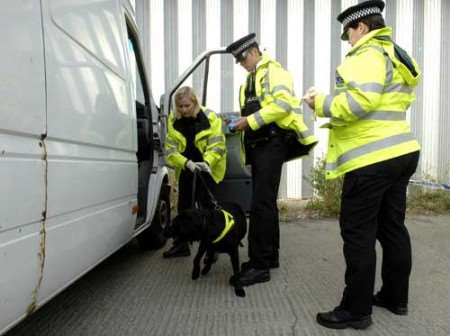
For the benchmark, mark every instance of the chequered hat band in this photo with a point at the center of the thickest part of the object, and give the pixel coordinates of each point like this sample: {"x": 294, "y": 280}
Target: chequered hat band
{"x": 360, "y": 14}
{"x": 243, "y": 47}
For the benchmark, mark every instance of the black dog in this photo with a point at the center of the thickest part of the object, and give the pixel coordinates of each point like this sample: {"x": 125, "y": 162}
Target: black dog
{"x": 207, "y": 226}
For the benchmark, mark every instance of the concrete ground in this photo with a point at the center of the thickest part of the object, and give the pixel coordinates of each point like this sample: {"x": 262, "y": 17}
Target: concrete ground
{"x": 140, "y": 293}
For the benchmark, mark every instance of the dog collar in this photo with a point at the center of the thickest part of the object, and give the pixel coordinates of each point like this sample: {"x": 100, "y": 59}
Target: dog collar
{"x": 229, "y": 222}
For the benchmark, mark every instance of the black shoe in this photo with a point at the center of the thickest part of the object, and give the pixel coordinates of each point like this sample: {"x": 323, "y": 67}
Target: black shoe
{"x": 178, "y": 250}
{"x": 341, "y": 319}
{"x": 246, "y": 265}
{"x": 395, "y": 309}
{"x": 274, "y": 263}
{"x": 251, "y": 276}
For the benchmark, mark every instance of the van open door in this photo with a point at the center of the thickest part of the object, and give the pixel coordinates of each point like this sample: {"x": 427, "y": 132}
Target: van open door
{"x": 153, "y": 212}
{"x": 237, "y": 185}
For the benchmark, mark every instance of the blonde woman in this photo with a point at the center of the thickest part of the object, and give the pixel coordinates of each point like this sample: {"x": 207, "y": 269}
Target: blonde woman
{"x": 195, "y": 142}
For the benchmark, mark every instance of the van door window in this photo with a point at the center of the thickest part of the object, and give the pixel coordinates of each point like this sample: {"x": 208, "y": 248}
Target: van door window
{"x": 137, "y": 89}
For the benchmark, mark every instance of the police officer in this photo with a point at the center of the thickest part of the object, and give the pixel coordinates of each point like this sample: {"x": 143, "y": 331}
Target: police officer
{"x": 195, "y": 143}
{"x": 371, "y": 144}
{"x": 274, "y": 132}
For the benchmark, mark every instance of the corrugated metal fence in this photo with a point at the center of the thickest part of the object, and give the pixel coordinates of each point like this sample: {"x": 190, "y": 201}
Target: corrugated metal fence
{"x": 304, "y": 36}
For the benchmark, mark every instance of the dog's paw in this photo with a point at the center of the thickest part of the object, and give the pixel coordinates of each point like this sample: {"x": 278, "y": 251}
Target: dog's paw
{"x": 195, "y": 273}
{"x": 206, "y": 269}
{"x": 239, "y": 291}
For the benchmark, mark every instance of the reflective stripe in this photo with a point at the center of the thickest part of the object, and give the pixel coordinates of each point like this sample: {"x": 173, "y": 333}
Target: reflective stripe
{"x": 207, "y": 111}
{"x": 389, "y": 66}
{"x": 327, "y": 106}
{"x": 385, "y": 115}
{"x": 304, "y": 134}
{"x": 258, "y": 118}
{"x": 398, "y": 88}
{"x": 389, "y": 70}
{"x": 265, "y": 87}
{"x": 229, "y": 222}
{"x": 171, "y": 142}
{"x": 218, "y": 150}
{"x": 369, "y": 148}
{"x": 377, "y": 88}
{"x": 367, "y": 87}
{"x": 355, "y": 108}
{"x": 215, "y": 139}
{"x": 282, "y": 104}
{"x": 281, "y": 88}
{"x": 266, "y": 83}
{"x": 297, "y": 110}
{"x": 171, "y": 151}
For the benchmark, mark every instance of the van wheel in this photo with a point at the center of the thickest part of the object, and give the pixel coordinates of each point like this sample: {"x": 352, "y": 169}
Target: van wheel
{"x": 153, "y": 237}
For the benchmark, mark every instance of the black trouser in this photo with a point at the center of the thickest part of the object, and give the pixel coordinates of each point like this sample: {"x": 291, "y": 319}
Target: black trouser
{"x": 185, "y": 183}
{"x": 266, "y": 159}
{"x": 373, "y": 207}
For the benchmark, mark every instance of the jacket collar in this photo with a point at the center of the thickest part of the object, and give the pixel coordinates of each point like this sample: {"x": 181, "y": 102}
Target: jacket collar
{"x": 265, "y": 60}
{"x": 201, "y": 122}
{"x": 386, "y": 31}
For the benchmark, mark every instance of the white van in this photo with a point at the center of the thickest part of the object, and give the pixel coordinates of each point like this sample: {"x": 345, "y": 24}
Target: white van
{"x": 81, "y": 169}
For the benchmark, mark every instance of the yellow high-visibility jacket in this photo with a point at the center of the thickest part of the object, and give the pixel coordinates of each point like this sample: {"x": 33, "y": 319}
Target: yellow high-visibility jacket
{"x": 209, "y": 140}
{"x": 368, "y": 108}
{"x": 274, "y": 90}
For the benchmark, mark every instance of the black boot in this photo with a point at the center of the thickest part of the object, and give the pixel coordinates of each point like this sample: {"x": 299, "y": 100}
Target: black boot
{"x": 342, "y": 319}
{"x": 178, "y": 249}
{"x": 246, "y": 265}
{"x": 250, "y": 276}
{"x": 397, "y": 309}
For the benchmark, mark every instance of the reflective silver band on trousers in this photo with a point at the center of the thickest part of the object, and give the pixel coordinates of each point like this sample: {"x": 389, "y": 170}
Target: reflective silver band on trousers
{"x": 369, "y": 148}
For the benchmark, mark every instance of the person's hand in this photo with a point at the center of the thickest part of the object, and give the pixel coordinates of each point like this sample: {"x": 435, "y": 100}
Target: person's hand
{"x": 241, "y": 124}
{"x": 204, "y": 167}
{"x": 191, "y": 166}
{"x": 310, "y": 97}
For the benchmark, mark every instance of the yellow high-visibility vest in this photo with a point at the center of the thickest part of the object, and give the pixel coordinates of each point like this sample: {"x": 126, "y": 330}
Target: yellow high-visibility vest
{"x": 210, "y": 142}
{"x": 275, "y": 92}
{"x": 367, "y": 110}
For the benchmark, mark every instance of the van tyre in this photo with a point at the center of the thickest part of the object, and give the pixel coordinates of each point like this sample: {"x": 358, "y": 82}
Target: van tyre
{"x": 153, "y": 237}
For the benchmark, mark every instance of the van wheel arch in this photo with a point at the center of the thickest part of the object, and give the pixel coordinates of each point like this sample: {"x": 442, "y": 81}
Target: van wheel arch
{"x": 153, "y": 238}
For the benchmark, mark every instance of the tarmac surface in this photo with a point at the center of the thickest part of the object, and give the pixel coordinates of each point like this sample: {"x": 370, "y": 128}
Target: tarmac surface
{"x": 137, "y": 292}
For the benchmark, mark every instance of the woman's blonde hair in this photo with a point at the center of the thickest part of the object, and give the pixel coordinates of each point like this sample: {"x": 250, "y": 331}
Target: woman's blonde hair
{"x": 186, "y": 91}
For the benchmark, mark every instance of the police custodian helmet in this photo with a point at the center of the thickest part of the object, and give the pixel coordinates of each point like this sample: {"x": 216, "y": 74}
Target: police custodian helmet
{"x": 238, "y": 48}
{"x": 357, "y": 12}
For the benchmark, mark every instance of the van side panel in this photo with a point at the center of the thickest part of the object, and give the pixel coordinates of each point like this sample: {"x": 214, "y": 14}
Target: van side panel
{"x": 91, "y": 138}
{"x": 22, "y": 167}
